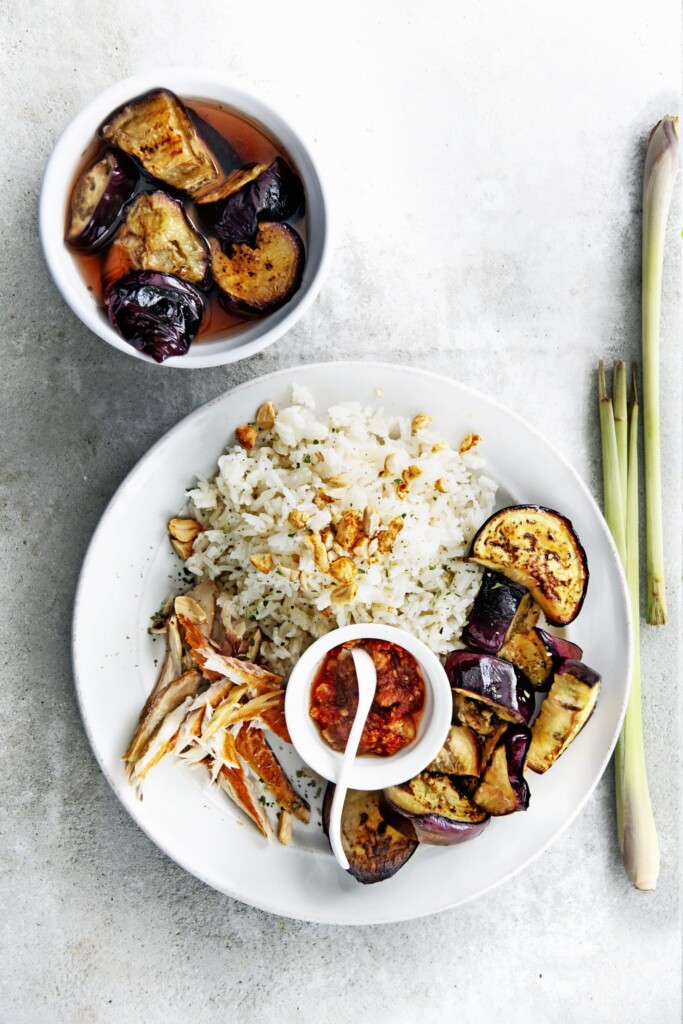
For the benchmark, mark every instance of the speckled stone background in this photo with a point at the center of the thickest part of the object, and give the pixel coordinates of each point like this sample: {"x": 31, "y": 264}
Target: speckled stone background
{"x": 484, "y": 162}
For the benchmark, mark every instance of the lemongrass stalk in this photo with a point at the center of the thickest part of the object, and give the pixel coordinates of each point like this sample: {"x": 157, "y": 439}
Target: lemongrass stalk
{"x": 610, "y": 468}
{"x": 661, "y": 163}
{"x": 620, "y": 403}
{"x": 635, "y": 822}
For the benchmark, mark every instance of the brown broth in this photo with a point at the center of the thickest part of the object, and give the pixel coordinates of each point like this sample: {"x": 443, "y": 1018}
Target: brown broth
{"x": 252, "y": 145}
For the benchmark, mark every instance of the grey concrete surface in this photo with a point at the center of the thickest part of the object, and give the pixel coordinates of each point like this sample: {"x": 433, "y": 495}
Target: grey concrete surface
{"x": 485, "y": 163}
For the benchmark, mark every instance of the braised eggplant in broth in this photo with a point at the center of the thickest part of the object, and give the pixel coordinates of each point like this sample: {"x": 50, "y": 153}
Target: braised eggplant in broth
{"x": 195, "y": 193}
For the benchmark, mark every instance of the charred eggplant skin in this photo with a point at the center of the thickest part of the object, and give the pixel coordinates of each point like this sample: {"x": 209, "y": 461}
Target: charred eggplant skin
{"x": 501, "y": 609}
{"x": 503, "y": 788}
{"x": 156, "y": 313}
{"x": 98, "y": 208}
{"x": 431, "y": 829}
{"x": 374, "y": 848}
{"x": 434, "y": 809}
{"x": 539, "y": 548}
{"x": 491, "y": 681}
{"x": 560, "y": 648}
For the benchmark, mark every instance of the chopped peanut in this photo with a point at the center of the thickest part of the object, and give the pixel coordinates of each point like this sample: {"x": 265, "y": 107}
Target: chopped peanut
{"x": 344, "y": 570}
{"x": 390, "y": 464}
{"x": 379, "y": 392}
{"x": 411, "y": 473}
{"x": 246, "y": 436}
{"x": 319, "y": 551}
{"x": 335, "y": 482}
{"x": 471, "y": 441}
{"x": 298, "y": 519}
{"x": 184, "y": 529}
{"x": 189, "y": 609}
{"x": 327, "y": 537}
{"x": 440, "y": 446}
{"x": 345, "y": 593}
{"x": 360, "y": 548}
{"x": 182, "y": 548}
{"x": 371, "y": 521}
{"x": 265, "y": 417}
{"x": 386, "y": 538}
{"x": 284, "y": 827}
{"x": 263, "y": 561}
{"x": 372, "y": 547}
{"x": 321, "y": 498}
{"x": 348, "y": 529}
{"x": 442, "y": 485}
{"x": 419, "y": 422}
{"x": 326, "y": 613}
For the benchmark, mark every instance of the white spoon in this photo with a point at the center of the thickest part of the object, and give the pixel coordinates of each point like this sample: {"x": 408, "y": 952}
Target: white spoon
{"x": 366, "y": 674}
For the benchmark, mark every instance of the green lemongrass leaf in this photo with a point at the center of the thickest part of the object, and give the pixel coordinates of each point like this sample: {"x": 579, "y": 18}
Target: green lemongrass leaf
{"x": 661, "y": 163}
{"x": 614, "y": 513}
{"x": 620, "y": 403}
{"x": 635, "y": 822}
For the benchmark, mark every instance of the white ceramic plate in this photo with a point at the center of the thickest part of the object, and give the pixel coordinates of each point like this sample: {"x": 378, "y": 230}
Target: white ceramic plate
{"x": 129, "y": 571}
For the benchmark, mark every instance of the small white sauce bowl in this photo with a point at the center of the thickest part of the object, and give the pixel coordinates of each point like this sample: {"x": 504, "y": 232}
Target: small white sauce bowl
{"x": 55, "y": 197}
{"x": 369, "y": 771}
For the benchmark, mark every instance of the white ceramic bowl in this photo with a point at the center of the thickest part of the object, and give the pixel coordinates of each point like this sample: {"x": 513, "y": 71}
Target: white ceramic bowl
{"x": 369, "y": 772}
{"x": 56, "y": 192}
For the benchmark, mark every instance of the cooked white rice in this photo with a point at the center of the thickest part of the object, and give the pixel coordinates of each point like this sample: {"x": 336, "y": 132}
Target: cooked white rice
{"x": 421, "y": 585}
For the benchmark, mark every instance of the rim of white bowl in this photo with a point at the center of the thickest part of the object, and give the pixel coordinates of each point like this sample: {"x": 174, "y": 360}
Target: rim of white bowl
{"x": 56, "y": 188}
{"x": 369, "y": 772}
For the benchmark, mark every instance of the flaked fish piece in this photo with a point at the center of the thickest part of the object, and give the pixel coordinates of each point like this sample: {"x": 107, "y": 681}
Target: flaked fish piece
{"x": 190, "y": 729}
{"x": 233, "y": 781}
{"x": 232, "y": 711}
{"x": 259, "y": 680}
{"x": 273, "y": 718}
{"x": 253, "y": 747}
{"x": 161, "y": 702}
{"x": 162, "y": 743}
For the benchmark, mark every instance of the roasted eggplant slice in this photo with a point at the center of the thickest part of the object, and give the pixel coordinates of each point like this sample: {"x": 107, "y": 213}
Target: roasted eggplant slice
{"x": 501, "y": 609}
{"x": 375, "y": 850}
{"x": 157, "y": 236}
{"x": 157, "y": 130}
{"x": 529, "y": 653}
{"x": 255, "y": 192}
{"x": 482, "y": 679}
{"x": 259, "y": 280}
{"x": 503, "y": 788}
{"x": 434, "y": 810}
{"x": 570, "y": 702}
{"x": 460, "y": 754}
{"x": 158, "y": 314}
{"x": 98, "y": 201}
{"x": 538, "y": 548}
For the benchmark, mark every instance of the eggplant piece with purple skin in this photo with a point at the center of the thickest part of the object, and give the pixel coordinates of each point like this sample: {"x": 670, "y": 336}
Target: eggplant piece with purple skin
{"x": 156, "y": 313}
{"x": 257, "y": 192}
{"x": 98, "y": 201}
{"x": 501, "y": 609}
{"x": 157, "y": 130}
{"x": 538, "y": 548}
{"x": 375, "y": 850}
{"x": 503, "y": 788}
{"x": 433, "y": 810}
{"x": 570, "y": 703}
{"x": 158, "y": 236}
{"x": 253, "y": 281}
{"x": 483, "y": 679}
{"x": 530, "y": 654}
{"x": 559, "y": 648}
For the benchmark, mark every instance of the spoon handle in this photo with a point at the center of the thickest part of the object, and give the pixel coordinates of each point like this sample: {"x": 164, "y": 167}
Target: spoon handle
{"x": 366, "y": 674}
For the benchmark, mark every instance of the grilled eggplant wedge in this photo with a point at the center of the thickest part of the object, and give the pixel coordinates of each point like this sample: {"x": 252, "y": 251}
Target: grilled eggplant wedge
{"x": 157, "y": 236}
{"x": 538, "y": 548}
{"x": 460, "y": 754}
{"x": 98, "y": 201}
{"x": 158, "y": 131}
{"x": 503, "y": 789}
{"x": 501, "y": 609}
{"x": 261, "y": 279}
{"x": 375, "y": 850}
{"x": 560, "y": 648}
{"x": 155, "y": 313}
{"x": 492, "y": 686}
{"x": 570, "y": 702}
{"x": 432, "y": 808}
{"x": 528, "y": 653}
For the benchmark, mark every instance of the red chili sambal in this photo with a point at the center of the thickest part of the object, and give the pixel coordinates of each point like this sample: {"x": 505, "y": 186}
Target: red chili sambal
{"x": 397, "y": 706}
